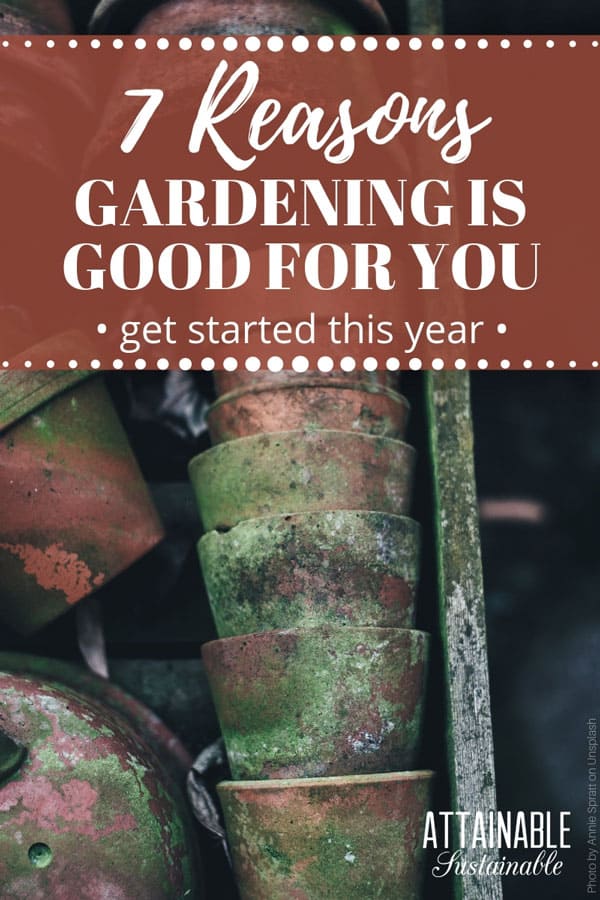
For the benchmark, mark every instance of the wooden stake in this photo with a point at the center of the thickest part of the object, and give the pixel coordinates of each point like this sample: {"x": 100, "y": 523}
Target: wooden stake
{"x": 462, "y": 614}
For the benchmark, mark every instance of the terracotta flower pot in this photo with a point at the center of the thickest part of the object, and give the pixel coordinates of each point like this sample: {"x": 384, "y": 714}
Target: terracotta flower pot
{"x": 75, "y": 508}
{"x": 304, "y": 406}
{"x": 319, "y": 701}
{"x": 88, "y": 810}
{"x": 349, "y": 838}
{"x": 237, "y": 17}
{"x": 227, "y": 382}
{"x": 301, "y": 471}
{"x": 341, "y": 567}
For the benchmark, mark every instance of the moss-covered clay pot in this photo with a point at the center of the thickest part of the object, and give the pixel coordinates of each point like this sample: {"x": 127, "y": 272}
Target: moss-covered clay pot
{"x": 87, "y": 810}
{"x": 75, "y": 508}
{"x": 367, "y": 410}
{"x": 319, "y": 701}
{"x": 343, "y": 567}
{"x": 227, "y": 382}
{"x": 301, "y": 471}
{"x": 352, "y": 838}
{"x": 240, "y": 17}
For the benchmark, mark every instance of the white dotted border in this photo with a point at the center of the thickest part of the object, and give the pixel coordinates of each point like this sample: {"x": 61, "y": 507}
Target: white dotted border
{"x": 304, "y": 364}
{"x": 322, "y": 364}
{"x": 301, "y": 43}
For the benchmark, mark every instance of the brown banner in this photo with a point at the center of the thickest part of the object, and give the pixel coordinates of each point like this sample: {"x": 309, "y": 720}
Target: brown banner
{"x": 310, "y": 202}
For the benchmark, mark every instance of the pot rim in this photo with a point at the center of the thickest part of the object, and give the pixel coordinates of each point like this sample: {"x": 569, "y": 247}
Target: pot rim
{"x": 329, "y": 781}
{"x": 256, "y": 521}
{"x": 305, "y": 384}
{"x": 22, "y": 391}
{"x": 416, "y": 635}
{"x": 29, "y": 390}
{"x": 320, "y": 434}
{"x": 363, "y": 14}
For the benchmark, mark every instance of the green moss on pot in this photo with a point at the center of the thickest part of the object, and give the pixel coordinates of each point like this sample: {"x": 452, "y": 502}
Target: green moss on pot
{"x": 344, "y": 567}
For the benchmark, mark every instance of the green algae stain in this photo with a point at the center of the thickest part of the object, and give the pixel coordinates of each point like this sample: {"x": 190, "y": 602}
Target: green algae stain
{"x": 280, "y": 859}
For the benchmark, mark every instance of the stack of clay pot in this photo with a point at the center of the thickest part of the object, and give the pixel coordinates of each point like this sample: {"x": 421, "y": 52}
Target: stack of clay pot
{"x": 318, "y": 676}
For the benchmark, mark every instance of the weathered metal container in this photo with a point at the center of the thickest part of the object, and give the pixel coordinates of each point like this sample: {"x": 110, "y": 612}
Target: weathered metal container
{"x": 237, "y": 17}
{"x": 343, "y": 567}
{"x": 86, "y": 808}
{"x": 301, "y": 471}
{"x": 227, "y": 382}
{"x": 75, "y": 509}
{"x": 308, "y": 702}
{"x": 297, "y": 406}
{"x": 348, "y": 838}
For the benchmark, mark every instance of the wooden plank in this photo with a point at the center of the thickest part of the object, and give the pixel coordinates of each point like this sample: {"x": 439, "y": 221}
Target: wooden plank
{"x": 462, "y": 613}
{"x": 425, "y": 16}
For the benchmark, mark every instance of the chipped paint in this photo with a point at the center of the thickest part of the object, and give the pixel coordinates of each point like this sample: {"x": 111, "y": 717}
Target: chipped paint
{"x": 55, "y": 569}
